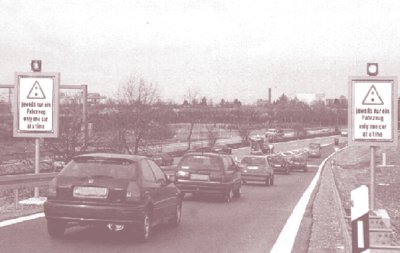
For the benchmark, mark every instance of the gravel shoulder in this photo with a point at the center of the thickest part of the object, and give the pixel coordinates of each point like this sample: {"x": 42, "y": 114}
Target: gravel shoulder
{"x": 351, "y": 169}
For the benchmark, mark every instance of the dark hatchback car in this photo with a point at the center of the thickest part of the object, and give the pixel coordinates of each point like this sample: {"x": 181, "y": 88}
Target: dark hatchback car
{"x": 256, "y": 168}
{"x": 279, "y": 163}
{"x": 209, "y": 173}
{"x": 115, "y": 190}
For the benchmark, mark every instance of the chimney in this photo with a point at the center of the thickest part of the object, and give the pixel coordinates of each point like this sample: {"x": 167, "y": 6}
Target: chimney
{"x": 269, "y": 96}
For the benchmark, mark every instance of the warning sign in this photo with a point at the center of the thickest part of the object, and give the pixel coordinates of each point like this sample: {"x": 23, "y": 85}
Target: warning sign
{"x": 37, "y": 105}
{"x": 373, "y": 110}
{"x": 372, "y": 97}
{"x": 36, "y": 92}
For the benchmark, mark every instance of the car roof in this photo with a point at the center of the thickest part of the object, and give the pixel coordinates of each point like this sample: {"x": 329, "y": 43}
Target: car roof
{"x": 253, "y": 156}
{"x": 204, "y": 154}
{"x": 113, "y": 156}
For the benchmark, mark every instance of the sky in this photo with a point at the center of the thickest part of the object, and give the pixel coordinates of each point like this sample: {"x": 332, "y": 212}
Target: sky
{"x": 218, "y": 49}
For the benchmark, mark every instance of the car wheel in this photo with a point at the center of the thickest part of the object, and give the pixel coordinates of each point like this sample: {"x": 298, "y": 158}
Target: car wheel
{"x": 305, "y": 168}
{"x": 176, "y": 220}
{"x": 271, "y": 182}
{"x": 238, "y": 192}
{"x": 228, "y": 195}
{"x": 287, "y": 171}
{"x": 143, "y": 233}
{"x": 268, "y": 181}
{"x": 56, "y": 228}
{"x": 244, "y": 182}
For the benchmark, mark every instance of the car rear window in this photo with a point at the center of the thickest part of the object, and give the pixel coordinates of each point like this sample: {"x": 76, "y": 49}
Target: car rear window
{"x": 276, "y": 159}
{"x": 253, "y": 160}
{"x": 100, "y": 167}
{"x": 200, "y": 162}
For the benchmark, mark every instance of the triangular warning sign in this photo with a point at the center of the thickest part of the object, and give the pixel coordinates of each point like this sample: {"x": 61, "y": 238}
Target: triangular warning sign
{"x": 36, "y": 92}
{"x": 372, "y": 97}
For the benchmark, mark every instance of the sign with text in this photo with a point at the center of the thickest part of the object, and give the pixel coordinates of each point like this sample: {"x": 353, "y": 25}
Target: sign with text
{"x": 373, "y": 110}
{"x": 36, "y": 105}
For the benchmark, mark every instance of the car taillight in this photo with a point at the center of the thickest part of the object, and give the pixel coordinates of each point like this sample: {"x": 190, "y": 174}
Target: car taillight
{"x": 182, "y": 174}
{"x": 133, "y": 192}
{"x": 52, "y": 190}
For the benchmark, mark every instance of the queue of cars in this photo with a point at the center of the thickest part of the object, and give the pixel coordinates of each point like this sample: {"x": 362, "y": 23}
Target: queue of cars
{"x": 131, "y": 192}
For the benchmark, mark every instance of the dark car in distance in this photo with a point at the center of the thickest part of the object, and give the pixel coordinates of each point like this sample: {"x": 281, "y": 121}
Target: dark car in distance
{"x": 114, "y": 190}
{"x": 256, "y": 168}
{"x": 209, "y": 173}
{"x": 218, "y": 149}
{"x": 279, "y": 163}
{"x": 314, "y": 150}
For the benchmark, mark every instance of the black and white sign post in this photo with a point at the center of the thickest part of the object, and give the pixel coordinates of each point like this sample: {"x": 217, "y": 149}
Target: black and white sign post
{"x": 360, "y": 219}
{"x": 36, "y": 110}
{"x": 372, "y": 116}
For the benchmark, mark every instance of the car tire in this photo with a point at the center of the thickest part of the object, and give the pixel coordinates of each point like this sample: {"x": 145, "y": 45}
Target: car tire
{"x": 56, "y": 228}
{"x": 268, "y": 181}
{"x": 305, "y": 168}
{"x": 287, "y": 172}
{"x": 237, "y": 192}
{"x": 176, "y": 220}
{"x": 244, "y": 182}
{"x": 271, "y": 182}
{"x": 144, "y": 231}
{"x": 228, "y": 195}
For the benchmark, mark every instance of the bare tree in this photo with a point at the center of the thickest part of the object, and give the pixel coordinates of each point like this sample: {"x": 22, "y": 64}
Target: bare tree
{"x": 135, "y": 116}
{"x": 191, "y": 96}
{"x": 244, "y": 131}
{"x": 212, "y": 135}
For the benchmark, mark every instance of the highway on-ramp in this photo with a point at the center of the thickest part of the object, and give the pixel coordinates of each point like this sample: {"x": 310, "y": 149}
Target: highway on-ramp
{"x": 251, "y": 223}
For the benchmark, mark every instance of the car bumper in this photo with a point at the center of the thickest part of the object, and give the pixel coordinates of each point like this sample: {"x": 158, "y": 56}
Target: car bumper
{"x": 188, "y": 186}
{"x": 254, "y": 177}
{"x": 282, "y": 168}
{"x": 91, "y": 213}
{"x": 298, "y": 165}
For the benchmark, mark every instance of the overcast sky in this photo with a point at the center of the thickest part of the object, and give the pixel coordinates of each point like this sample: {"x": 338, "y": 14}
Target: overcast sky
{"x": 220, "y": 49}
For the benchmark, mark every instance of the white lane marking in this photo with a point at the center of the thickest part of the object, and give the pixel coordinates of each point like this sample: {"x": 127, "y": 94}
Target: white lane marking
{"x": 21, "y": 219}
{"x": 286, "y": 238}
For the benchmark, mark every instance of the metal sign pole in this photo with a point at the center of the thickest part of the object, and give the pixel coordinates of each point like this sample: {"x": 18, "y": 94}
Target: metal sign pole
{"x": 37, "y": 163}
{"x": 372, "y": 183}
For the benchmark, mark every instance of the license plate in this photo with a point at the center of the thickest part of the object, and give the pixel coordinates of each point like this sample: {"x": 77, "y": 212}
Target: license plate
{"x": 200, "y": 177}
{"x": 252, "y": 167}
{"x": 90, "y": 192}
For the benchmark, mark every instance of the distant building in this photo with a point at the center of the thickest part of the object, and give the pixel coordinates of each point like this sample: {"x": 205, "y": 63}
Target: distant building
{"x": 341, "y": 101}
{"x": 309, "y": 98}
{"x": 95, "y": 98}
{"x": 262, "y": 103}
{"x": 92, "y": 98}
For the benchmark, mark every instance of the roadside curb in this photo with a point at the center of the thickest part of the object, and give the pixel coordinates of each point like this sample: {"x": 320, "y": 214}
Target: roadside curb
{"x": 329, "y": 225}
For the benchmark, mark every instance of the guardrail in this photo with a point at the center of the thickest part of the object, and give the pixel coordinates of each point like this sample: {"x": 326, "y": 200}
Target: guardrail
{"x": 16, "y": 182}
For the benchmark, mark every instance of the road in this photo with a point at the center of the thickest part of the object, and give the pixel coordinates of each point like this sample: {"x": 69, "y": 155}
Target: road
{"x": 249, "y": 224}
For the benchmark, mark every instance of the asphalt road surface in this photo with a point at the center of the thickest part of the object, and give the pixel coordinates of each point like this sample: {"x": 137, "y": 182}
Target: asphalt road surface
{"x": 251, "y": 223}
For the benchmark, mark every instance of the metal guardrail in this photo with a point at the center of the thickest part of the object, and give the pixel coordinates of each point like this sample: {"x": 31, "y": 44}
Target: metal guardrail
{"x": 16, "y": 182}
